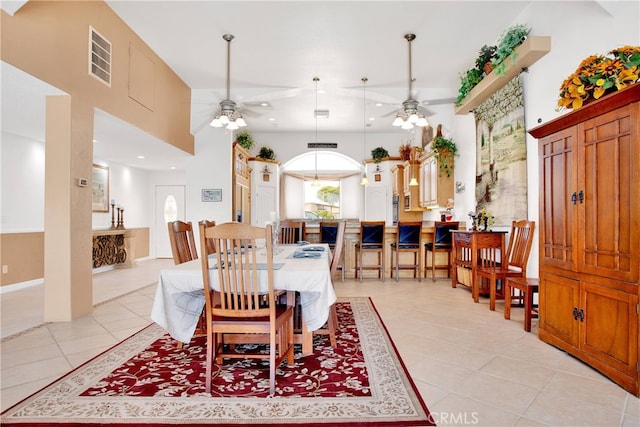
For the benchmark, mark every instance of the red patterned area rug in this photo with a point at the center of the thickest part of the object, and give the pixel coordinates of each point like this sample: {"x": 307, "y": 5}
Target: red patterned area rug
{"x": 146, "y": 380}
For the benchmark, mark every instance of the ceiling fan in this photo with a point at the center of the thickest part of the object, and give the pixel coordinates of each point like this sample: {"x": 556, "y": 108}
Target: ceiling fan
{"x": 412, "y": 112}
{"x": 228, "y": 116}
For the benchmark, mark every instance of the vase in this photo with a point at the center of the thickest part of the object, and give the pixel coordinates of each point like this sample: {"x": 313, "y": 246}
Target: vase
{"x": 488, "y": 67}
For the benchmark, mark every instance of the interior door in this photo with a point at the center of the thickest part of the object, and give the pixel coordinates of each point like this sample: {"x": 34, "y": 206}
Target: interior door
{"x": 170, "y": 206}
{"x": 265, "y": 204}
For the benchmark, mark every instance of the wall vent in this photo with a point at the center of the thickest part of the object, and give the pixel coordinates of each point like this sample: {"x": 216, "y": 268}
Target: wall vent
{"x": 322, "y": 145}
{"x": 99, "y": 57}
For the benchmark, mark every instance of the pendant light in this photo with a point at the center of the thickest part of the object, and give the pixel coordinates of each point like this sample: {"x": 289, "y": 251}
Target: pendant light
{"x": 316, "y": 181}
{"x": 365, "y": 181}
{"x": 410, "y": 115}
{"x": 228, "y": 116}
{"x": 412, "y": 159}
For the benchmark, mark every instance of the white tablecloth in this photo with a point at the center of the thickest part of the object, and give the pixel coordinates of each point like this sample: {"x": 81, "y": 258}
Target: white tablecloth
{"x": 179, "y": 298}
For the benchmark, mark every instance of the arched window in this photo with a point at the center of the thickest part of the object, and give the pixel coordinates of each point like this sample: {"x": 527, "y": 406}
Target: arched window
{"x": 338, "y": 194}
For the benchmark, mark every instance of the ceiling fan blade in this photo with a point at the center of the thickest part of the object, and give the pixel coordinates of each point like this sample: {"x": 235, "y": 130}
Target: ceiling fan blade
{"x": 441, "y": 101}
{"x": 248, "y": 112}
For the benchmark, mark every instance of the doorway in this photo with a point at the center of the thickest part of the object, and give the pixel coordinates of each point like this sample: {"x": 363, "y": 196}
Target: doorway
{"x": 170, "y": 206}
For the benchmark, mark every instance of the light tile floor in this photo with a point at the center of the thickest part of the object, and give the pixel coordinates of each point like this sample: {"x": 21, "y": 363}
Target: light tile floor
{"x": 471, "y": 366}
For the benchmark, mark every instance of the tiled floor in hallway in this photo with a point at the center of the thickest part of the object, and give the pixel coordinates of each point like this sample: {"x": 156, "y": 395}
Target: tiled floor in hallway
{"x": 471, "y": 366}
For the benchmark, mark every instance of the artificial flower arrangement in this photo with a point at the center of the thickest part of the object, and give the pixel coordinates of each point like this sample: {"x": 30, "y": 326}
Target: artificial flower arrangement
{"x": 599, "y": 75}
{"x": 483, "y": 220}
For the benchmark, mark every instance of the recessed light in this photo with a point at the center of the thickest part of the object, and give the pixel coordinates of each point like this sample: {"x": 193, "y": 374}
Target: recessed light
{"x": 272, "y": 119}
{"x": 264, "y": 104}
{"x": 172, "y": 167}
{"x": 378, "y": 104}
{"x": 141, "y": 157}
{"x": 372, "y": 118}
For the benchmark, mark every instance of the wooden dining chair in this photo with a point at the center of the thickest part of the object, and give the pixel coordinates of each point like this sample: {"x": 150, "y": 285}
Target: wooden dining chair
{"x": 442, "y": 242}
{"x": 511, "y": 264}
{"x": 291, "y": 231}
{"x": 408, "y": 237}
{"x": 332, "y": 323}
{"x": 371, "y": 241}
{"x": 183, "y": 245}
{"x": 329, "y": 234}
{"x": 235, "y": 302}
{"x": 210, "y": 246}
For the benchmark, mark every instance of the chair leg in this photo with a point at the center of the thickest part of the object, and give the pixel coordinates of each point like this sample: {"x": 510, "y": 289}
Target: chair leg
{"x": 397, "y": 256}
{"x": 433, "y": 265}
{"x": 492, "y": 293}
{"x": 382, "y": 268}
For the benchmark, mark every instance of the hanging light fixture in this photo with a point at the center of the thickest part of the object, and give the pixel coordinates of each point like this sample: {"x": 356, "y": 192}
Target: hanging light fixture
{"x": 365, "y": 181}
{"x": 316, "y": 181}
{"x": 410, "y": 115}
{"x": 227, "y": 116}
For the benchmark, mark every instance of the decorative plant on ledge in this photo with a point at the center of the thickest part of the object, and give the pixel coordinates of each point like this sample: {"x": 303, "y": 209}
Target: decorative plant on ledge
{"x": 599, "y": 75}
{"x": 468, "y": 81}
{"x": 496, "y": 56}
{"x": 266, "y": 153}
{"x": 245, "y": 140}
{"x": 405, "y": 151}
{"x": 444, "y": 151}
{"x": 378, "y": 154}
{"x": 485, "y": 56}
{"x": 513, "y": 37}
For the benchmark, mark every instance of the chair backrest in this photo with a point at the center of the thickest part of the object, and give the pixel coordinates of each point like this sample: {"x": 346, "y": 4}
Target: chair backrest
{"x": 339, "y": 245}
{"x": 372, "y": 233}
{"x": 183, "y": 245}
{"x": 409, "y": 233}
{"x": 329, "y": 231}
{"x": 520, "y": 241}
{"x": 238, "y": 291}
{"x": 210, "y": 246}
{"x": 442, "y": 231}
{"x": 291, "y": 231}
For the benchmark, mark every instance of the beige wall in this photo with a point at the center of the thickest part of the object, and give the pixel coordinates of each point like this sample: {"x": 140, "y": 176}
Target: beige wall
{"x": 23, "y": 254}
{"x": 49, "y": 39}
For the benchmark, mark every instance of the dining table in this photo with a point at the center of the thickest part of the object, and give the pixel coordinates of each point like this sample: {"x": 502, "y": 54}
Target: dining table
{"x": 304, "y": 269}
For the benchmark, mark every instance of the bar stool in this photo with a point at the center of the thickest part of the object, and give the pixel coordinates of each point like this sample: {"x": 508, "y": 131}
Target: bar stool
{"x": 528, "y": 287}
{"x": 371, "y": 241}
{"x": 441, "y": 243}
{"x": 329, "y": 231}
{"x": 407, "y": 240}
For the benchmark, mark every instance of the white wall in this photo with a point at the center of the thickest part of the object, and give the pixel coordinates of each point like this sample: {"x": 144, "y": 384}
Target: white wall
{"x": 22, "y": 178}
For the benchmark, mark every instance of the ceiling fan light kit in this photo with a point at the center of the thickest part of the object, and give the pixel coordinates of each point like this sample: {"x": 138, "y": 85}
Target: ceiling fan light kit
{"x": 316, "y": 181}
{"x": 410, "y": 116}
{"x": 228, "y": 116}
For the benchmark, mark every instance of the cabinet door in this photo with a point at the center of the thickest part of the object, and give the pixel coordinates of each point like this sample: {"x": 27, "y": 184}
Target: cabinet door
{"x": 608, "y": 159}
{"x": 558, "y": 200}
{"x": 609, "y": 331}
{"x": 558, "y": 301}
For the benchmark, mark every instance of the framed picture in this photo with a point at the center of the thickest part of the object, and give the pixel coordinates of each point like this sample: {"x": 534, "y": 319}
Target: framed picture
{"x": 212, "y": 195}
{"x": 100, "y": 189}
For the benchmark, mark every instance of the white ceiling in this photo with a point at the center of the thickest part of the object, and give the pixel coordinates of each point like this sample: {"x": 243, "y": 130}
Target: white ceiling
{"x": 280, "y": 46}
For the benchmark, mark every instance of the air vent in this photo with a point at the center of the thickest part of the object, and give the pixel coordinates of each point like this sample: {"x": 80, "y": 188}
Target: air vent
{"x": 99, "y": 57}
{"x": 322, "y": 114}
{"x": 322, "y": 145}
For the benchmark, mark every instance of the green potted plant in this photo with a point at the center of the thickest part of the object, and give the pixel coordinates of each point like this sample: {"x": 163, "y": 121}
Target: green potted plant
{"x": 483, "y": 61}
{"x": 444, "y": 150}
{"x": 506, "y": 47}
{"x": 468, "y": 81}
{"x": 245, "y": 140}
{"x": 266, "y": 153}
{"x": 378, "y": 154}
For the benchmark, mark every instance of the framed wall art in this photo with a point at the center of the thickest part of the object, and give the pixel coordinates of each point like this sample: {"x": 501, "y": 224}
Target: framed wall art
{"x": 100, "y": 189}
{"x": 212, "y": 195}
